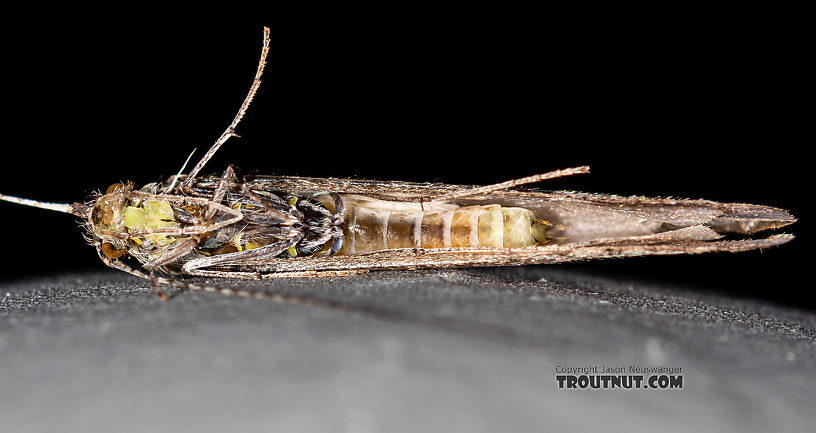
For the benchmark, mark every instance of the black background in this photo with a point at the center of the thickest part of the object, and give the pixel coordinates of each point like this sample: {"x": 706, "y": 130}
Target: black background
{"x": 697, "y": 108}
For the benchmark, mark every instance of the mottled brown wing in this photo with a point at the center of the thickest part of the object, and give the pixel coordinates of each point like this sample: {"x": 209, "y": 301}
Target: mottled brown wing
{"x": 561, "y": 206}
{"x": 384, "y": 190}
{"x": 696, "y": 240}
{"x": 592, "y": 226}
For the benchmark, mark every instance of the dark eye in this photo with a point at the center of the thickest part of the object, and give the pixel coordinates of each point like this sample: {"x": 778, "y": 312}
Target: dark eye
{"x": 111, "y": 251}
{"x": 114, "y": 187}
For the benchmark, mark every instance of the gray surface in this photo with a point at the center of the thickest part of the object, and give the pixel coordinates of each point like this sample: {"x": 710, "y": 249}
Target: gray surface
{"x": 469, "y": 350}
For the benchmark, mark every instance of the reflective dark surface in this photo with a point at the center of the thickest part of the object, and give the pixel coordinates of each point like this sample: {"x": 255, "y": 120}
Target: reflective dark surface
{"x": 444, "y": 351}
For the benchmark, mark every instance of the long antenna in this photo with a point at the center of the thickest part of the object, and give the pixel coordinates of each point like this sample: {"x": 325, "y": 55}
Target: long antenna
{"x": 230, "y": 132}
{"x": 59, "y": 207}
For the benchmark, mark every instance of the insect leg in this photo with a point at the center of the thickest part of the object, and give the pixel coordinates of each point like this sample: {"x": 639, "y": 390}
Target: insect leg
{"x": 116, "y": 264}
{"x": 275, "y": 207}
{"x": 220, "y": 192}
{"x": 339, "y": 208}
{"x": 177, "y": 251}
{"x": 481, "y": 190}
{"x": 241, "y": 257}
{"x": 314, "y": 274}
{"x": 183, "y": 285}
{"x": 230, "y": 131}
{"x": 337, "y": 220}
{"x": 168, "y": 257}
{"x": 337, "y": 240}
{"x": 276, "y": 275}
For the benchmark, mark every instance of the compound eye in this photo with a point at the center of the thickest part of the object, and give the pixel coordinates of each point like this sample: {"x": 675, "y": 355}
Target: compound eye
{"x": 114, "y": 187}
{"x": 111, "y": 251}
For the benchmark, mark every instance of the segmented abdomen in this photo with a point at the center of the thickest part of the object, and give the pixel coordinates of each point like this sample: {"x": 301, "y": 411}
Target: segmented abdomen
{"x": 374, "y": 225}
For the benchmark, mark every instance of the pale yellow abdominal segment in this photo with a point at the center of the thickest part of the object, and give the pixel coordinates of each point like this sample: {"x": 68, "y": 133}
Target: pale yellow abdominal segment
{"x": 374, "y": 225}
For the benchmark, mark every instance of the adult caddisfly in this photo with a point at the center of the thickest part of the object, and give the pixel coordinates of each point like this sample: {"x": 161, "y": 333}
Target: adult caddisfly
{"x": 259, "y": 227}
